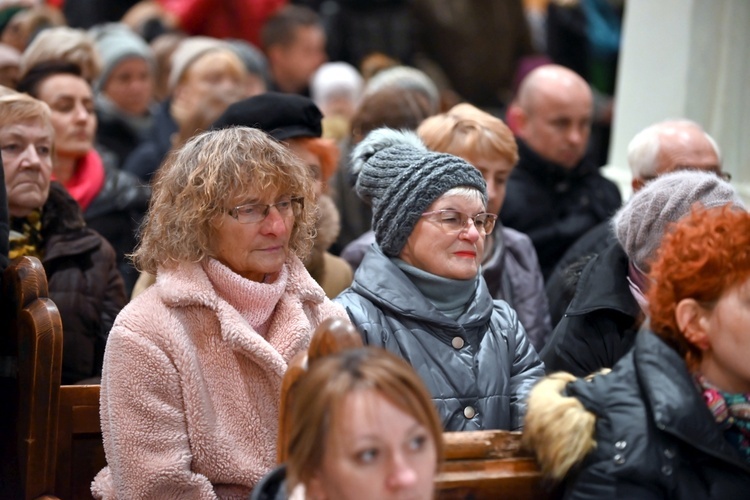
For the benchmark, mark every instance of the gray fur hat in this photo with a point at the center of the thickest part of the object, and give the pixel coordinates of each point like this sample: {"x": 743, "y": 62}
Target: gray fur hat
{"x": 641, "y": 223}
{"x": 400, "y": 178}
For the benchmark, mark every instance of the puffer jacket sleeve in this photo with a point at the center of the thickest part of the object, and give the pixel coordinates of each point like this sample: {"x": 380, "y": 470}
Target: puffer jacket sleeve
{"x": 143, "y": 423}
{"x": 526, "y": 368}
{"x": 364, "y": 316}
{"x": 529, "y": 297}
{"x": 597, "y": 475}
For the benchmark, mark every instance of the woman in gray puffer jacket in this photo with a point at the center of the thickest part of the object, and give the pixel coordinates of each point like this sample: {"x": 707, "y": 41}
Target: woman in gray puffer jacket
{"x": 419, "y": 292}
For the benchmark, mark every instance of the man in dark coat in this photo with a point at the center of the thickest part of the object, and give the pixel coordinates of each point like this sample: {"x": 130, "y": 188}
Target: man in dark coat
{"x": 554, "y": 194}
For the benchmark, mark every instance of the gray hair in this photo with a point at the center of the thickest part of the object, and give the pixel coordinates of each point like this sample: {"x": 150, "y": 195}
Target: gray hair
{"x": 643, "y": 149}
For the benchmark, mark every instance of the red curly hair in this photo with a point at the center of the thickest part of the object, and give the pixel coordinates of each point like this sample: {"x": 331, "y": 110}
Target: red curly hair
{"x": 326, "y": 151}
{"x": 705, "y": 253}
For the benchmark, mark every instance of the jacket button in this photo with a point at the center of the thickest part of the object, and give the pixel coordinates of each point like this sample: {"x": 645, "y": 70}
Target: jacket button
{"x": 469, "y": 412}
{"x": 666, "y": 470}
{"x": 621, "y": 445}
{"x": 619, "y": 459}
{"x": 669, "y": 453}
{"x": 457, "y": 342}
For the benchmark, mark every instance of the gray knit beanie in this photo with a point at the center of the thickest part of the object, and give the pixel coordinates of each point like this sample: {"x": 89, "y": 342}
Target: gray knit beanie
{"x": 255, "y": 61}
{"x": 116, "y": 42}
{"x": 400, "y": 178}
{"x": 408, "y": 78}
{"x": 641, "y": 223}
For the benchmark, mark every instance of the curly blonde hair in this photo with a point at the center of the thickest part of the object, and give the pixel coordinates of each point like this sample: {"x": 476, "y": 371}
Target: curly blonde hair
{"x": 211, "y": 173}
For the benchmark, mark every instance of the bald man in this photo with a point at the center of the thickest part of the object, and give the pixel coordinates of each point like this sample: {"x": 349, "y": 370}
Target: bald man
{"x": 555, "y": 195}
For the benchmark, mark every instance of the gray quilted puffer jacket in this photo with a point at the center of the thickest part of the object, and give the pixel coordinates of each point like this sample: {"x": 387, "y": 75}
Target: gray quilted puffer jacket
{"x": 479, "y": 368}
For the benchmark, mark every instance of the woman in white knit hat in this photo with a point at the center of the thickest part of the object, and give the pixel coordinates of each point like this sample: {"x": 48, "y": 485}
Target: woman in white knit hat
{"x": 609, "y": 308}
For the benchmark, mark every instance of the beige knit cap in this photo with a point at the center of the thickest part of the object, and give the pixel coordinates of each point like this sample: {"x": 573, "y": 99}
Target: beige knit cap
{"x": 641, "y": 223}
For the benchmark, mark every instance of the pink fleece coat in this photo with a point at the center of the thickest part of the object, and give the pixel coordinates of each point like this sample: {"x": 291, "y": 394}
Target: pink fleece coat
{"x": 190, "y": 391}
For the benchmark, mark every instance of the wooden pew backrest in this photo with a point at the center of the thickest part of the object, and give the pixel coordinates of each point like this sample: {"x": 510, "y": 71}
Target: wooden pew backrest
{"x": 489, "y": 464}
{"x": 56, "y": 437}
{"x": 80, "y": 451}
{"x": 33, "y": 349}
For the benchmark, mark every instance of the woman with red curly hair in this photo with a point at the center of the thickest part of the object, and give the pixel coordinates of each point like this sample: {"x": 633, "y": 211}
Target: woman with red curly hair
{"x": 672, "y": 418}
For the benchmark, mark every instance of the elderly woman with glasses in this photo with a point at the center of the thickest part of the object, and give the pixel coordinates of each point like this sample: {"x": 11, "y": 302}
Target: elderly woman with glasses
{"x": 193, "y": 366}
{"x": 419, "y": 292}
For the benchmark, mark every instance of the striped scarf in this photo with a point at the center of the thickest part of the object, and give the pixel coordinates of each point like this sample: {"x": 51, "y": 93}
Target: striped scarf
{"x": 731, "y": 412}
{"x": 26, "y": 235}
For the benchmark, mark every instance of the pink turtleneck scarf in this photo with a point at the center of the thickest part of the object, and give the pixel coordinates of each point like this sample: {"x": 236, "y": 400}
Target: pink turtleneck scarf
{"x": 254, "y": 301}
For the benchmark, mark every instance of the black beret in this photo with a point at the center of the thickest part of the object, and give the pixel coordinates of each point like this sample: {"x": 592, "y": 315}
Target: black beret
{"x": 282, "y": 116}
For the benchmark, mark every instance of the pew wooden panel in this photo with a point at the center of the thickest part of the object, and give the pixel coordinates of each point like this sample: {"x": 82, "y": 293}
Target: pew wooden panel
{"x": 80, "y": 451}
{"x": 489, "y": 464}
{"x": 32, "y": 349}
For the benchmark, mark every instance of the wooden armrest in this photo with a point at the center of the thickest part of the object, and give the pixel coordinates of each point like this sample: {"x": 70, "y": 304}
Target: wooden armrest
{"x": 483, "y": 444}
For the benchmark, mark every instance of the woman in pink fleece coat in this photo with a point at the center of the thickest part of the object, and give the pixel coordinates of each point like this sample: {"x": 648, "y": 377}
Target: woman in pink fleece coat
{"x": 193, "y": 366}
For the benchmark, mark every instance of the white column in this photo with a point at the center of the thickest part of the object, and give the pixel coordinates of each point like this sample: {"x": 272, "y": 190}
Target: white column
{"x": 685, "y": 59}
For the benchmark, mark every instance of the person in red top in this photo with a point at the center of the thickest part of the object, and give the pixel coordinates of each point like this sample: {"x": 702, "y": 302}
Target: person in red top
{"x": 112, "y": 201}
{"x": 242, "y": 19}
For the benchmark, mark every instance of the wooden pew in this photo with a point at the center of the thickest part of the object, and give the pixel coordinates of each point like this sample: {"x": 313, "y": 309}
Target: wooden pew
{"x": 80, "y": 450}
{"x": 489, "y": 464}
{"x": 478, "y": 465}
{"x": 54, "y": 431}
{"x": 32, "y": 350}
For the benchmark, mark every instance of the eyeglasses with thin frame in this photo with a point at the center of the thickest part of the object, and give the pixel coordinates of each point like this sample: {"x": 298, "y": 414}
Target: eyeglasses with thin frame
{"x": 253, "y": 213}
{"x": 725, "y": 176}
{"x": 453, "y": 221}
